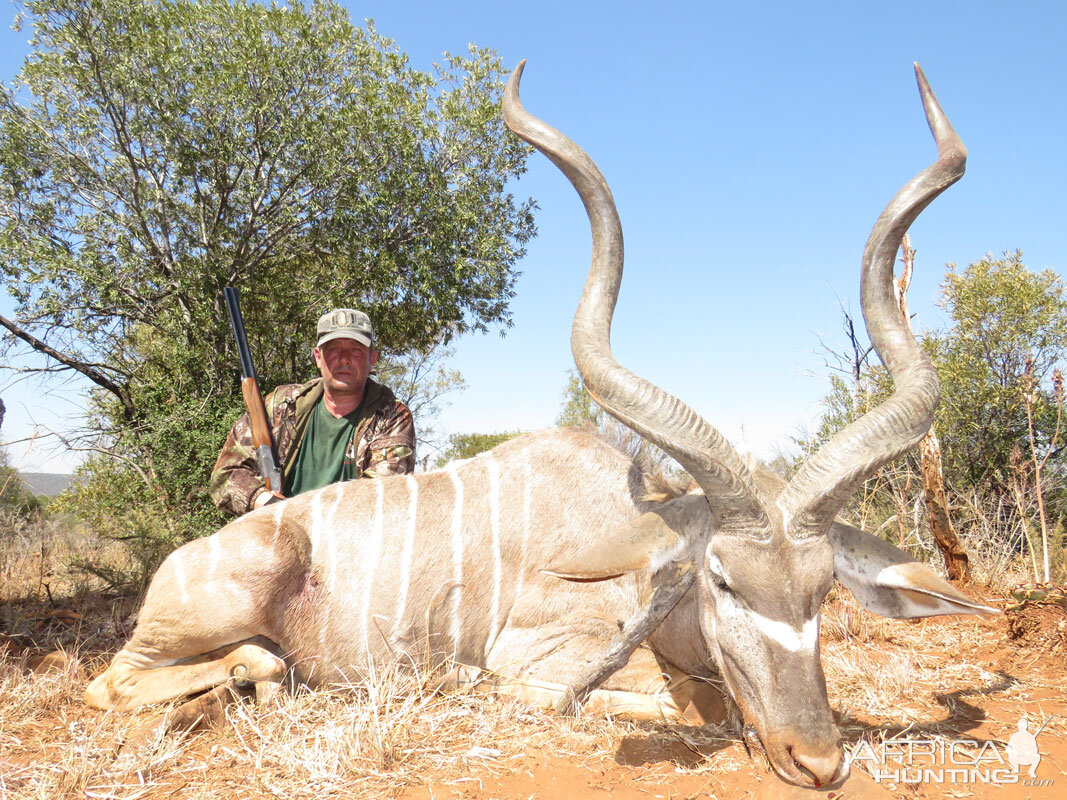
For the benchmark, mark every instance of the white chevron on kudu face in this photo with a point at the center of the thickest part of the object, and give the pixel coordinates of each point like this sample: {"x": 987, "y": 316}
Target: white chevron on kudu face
{"x": 784, "y": 635}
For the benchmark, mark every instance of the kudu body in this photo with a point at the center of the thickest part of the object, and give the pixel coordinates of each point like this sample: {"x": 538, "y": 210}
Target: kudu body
{"x": 526, "y": 561}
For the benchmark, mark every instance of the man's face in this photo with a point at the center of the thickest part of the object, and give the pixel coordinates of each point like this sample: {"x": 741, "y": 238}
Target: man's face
{"x": 345, "y": 365}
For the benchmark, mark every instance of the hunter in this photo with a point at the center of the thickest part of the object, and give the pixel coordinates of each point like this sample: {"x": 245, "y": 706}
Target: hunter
{"x": 340, "y": 426}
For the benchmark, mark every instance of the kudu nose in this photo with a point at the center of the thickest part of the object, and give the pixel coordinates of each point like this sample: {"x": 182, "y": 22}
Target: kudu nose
{"x": 819, "y": 765}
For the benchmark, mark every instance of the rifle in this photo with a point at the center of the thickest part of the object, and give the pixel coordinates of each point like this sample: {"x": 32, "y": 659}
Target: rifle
{"x": 257, "y": 412}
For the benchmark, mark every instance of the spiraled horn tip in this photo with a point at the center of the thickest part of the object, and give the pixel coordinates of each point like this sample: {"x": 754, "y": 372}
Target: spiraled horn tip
{"x": 512, "y": 106}
{"x": 920, "y": 77}
{"x": 947, "y": 140}
{"x": 516, "y": 76}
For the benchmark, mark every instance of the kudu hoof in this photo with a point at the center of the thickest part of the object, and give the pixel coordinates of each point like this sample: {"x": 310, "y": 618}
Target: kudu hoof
{"x": 202, "y": 711}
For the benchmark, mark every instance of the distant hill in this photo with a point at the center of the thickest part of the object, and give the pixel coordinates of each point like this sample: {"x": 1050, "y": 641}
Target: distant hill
{"x": 47, "y": 483}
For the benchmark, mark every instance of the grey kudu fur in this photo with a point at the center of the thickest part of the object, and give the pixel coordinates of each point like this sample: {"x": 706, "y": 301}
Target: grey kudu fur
{"x": 541, "y": 566}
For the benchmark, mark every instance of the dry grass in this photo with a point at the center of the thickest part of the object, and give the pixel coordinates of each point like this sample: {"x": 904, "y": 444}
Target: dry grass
{"x": 37, "y": 558}
{"x": 369, "y": 740}
{"x": 1001, "y": 541}
{"x": 391, "y": 735}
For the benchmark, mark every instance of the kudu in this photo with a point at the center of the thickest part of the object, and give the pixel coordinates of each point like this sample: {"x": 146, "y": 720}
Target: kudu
{"x": 526, "y": 562}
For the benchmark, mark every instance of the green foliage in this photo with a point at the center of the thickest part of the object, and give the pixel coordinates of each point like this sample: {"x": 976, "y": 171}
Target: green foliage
{"x": 468, "y": 445}
{"x": 154, "y": 151}
{"x": 116, "y": 504}
{"x": 578, "y": 407}
{"x": 1002, "y": 314}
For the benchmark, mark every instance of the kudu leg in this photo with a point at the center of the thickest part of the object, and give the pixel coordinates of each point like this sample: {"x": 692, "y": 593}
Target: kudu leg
{"x": 636, "y": 706}
{"x": 673, "y": 584}
{"x": 205, "y": 618}
{"x": 129, "y": 683}
{"x": 202, "y": 711}
{"x": 578, "y": 658}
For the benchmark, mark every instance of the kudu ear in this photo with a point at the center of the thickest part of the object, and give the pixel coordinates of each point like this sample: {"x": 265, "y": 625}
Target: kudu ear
{"x": 651, "y": 540}
{"x": 887, "y": 581}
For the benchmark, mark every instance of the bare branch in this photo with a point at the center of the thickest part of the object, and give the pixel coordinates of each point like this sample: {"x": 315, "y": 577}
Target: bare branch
{"x": 95, "y": 375}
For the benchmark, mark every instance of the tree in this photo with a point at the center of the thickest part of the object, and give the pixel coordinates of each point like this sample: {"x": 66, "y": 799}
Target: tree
{"x": 468, "y": 445}
{"x": 578, "y": 407}
{"x": 1002, "y": 315}
{"x": 422, "y": 379}
{"x": 957, "y": 562}
{"x": 154, "y": 151}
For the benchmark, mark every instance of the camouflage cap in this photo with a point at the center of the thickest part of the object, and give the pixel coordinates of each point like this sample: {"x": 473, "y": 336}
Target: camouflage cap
{"x": 345, "y": 323}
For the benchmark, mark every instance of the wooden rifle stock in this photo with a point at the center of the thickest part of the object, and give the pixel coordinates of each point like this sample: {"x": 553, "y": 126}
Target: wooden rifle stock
{"x": 257, "y": 416}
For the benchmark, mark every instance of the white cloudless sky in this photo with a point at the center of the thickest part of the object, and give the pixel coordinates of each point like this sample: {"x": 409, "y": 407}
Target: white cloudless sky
{"x": 750, "y": 147}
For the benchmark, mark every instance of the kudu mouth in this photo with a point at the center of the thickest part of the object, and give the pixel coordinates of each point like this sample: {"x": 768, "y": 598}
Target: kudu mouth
{"x": 798, "y": 752}
{"x": 808, "y": 764}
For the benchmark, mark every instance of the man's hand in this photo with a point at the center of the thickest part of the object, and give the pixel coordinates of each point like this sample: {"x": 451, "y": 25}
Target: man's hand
{"x": 265, "y": 497}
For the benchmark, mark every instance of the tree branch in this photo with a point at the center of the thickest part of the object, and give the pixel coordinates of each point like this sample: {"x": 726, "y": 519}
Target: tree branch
{"x": 97, "y": 377}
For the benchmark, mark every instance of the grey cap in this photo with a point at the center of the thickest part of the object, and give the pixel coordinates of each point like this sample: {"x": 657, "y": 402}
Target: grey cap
{"x": 345, "y": 323}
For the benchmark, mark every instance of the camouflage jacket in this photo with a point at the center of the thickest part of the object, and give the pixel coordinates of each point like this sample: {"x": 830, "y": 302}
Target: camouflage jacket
{"x": 384, "y": 441}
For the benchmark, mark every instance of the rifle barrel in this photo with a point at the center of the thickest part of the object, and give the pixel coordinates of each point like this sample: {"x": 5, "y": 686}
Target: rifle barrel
{"x": 233, "y": 305}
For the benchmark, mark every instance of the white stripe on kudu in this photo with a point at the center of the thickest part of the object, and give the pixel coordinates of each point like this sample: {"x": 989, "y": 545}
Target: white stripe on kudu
{"x": 526, "y": 499}
{"x": 330, "y": 531}
{"x": 370, "y": 559}
{"x": 457, "y": 555}
{"x": 179, "y": 575}
{"x": 315, "y": 529}
{"x": 216, "y": 556}
{"x": 405, "y": 558}
{"x": 314, "y": 534}
{"x": 494, "y": 526}
{"x": 278, "y": 511}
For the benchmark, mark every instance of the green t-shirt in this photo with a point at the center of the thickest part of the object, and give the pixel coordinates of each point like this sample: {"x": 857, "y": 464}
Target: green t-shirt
{"x": 327, "y": 452}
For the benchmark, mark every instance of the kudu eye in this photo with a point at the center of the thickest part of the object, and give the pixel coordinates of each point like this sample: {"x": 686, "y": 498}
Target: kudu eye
{"x": 715, "y": 570}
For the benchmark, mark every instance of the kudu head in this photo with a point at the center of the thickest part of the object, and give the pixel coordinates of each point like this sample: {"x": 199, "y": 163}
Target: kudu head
{"x": 762, "y": 550}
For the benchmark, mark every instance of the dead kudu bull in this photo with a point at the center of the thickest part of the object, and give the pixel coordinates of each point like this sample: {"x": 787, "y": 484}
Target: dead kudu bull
{"x": 543, "y": 563}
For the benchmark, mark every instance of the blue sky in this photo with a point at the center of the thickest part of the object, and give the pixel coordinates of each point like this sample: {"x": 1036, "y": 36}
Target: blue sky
{"x": 750, "y": 148}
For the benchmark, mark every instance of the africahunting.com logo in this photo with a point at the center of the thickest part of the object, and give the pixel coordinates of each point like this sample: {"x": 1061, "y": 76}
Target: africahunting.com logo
{"x": 954, "y": 761}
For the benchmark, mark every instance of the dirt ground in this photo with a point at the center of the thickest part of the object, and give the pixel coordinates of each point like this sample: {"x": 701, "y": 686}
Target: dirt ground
{"x": 949, "y": 686}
